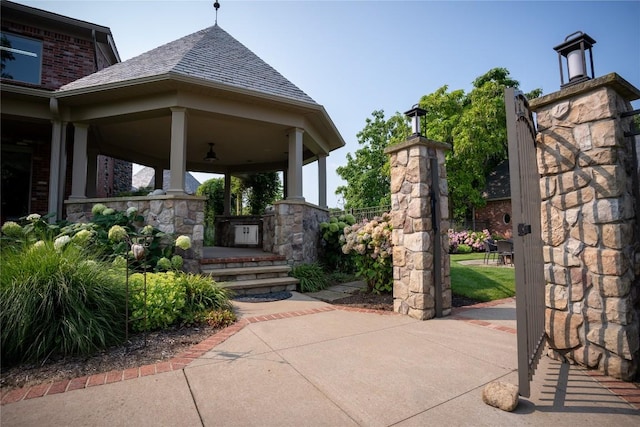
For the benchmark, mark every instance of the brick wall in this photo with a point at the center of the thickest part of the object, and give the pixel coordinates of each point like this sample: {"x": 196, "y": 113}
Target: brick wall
{"x": 494, "y": 214}
{"x": 65, "y": 57}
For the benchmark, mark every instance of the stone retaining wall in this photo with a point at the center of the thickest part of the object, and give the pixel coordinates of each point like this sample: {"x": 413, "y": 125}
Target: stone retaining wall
{"x": 590, "y": 228}
{"x": 296, "y": 230}
{"x": 171, "y": 214}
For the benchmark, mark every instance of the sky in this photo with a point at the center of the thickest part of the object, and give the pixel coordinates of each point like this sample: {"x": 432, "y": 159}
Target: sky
{"x": 355, "y": 57}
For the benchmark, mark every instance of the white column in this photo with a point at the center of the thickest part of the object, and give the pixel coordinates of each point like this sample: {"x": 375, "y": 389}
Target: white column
{"x": 158, "y": 177}
{"x": 178, "y": 163}
{"x": 54, "y": 169}
{"x": 92, "y": 173}
{"x": 322, "y": 180}
{"x": 294, "y": 181}
{"x": 62, "y": 172}
{"x": 227, "y": 194}
{"x": 79, "y": 173}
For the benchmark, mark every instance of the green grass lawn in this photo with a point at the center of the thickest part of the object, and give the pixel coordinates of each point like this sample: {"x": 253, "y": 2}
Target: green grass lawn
{"x": 479, "y": 282}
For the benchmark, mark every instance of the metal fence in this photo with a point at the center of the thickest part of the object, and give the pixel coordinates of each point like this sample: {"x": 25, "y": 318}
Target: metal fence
{"x": 362, "y": 214}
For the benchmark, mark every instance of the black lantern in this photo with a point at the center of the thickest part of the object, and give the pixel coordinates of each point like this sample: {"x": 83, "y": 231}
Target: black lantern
{"x": 414, "y": 114}
{"x": 573, "y": 49}
{"x": 211, "y": 155}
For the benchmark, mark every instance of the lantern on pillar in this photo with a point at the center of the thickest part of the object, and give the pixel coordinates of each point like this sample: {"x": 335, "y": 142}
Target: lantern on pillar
{"x": 573, "y": 49}
{"x": 414, "y": 114}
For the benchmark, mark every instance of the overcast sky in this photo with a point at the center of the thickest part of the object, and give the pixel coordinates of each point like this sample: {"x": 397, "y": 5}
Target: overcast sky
{"x": 354, "y": 57}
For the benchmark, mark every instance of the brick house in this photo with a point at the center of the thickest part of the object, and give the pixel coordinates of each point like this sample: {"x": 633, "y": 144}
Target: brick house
{"x": 496, "y": 214}
{"x": 42, "y": 51}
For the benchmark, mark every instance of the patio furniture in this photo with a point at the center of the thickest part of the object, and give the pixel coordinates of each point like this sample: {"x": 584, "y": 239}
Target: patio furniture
{"x": 505, "y": 252}
{"x": 490, "y": 249}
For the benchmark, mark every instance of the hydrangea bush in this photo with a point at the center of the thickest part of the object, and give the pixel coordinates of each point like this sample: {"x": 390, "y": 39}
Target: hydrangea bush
{"x": 332, "y": 241}
{"x": 370, "y": 245}
{"x": 473, "y": 239}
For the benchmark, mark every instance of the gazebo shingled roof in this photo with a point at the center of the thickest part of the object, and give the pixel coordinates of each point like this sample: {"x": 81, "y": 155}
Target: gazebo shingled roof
{"x": 210, "y": 54}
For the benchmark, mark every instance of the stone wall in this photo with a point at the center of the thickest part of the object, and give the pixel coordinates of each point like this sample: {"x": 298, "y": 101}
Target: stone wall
{"x": 296, "y": 230}
{"x": 590, "y": 227}
{"x": 413, "y": 237}
{"x": 171, "y": 214}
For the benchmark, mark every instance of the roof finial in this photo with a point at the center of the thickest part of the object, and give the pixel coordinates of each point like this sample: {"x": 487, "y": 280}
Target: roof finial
{"x": 216, "y": 6}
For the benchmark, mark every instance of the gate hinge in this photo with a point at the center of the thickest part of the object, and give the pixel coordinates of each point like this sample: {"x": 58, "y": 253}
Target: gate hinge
{"x": 524, "y": 229}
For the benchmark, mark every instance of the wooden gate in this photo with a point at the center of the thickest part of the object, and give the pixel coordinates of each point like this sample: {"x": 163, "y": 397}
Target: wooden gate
{"x": 527, "y": 239}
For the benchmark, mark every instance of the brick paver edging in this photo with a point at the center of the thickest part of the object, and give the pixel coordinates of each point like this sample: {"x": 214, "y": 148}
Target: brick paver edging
{"x": 176, "y": 363}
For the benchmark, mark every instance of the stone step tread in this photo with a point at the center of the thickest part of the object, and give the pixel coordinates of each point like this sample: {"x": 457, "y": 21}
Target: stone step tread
{"x": 238, "y": 271}
{"x": 260, "y": 283}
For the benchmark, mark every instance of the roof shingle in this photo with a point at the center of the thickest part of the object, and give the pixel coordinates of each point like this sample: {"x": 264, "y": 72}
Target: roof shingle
{"x": 211, "y": 55}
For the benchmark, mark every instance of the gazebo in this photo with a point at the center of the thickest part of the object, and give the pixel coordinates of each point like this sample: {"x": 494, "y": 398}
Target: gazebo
{"x": 172, "y": 107}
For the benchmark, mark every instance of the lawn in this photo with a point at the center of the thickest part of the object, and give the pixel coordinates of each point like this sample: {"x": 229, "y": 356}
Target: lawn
{"x": 479, "y": 282}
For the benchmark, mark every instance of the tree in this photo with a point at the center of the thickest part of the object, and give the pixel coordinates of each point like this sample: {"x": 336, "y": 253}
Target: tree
{"x": 367, "y": 173}
{"x": 475, "y": 125}
{"x": 262, "y": 189}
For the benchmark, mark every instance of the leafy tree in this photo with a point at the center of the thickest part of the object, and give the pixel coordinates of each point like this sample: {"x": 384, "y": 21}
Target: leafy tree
{"x": 262, "y": 189}
{"x": 367, "y": 173}
{"x": 213, "y": 190}
{"x": 475, "y": 125}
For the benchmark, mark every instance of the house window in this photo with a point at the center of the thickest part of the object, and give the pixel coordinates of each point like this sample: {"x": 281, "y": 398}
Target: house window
{"x": 21, "y": 58}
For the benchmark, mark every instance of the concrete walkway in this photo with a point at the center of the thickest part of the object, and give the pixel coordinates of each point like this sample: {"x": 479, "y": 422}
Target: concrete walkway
{"x": 302, "y": 362}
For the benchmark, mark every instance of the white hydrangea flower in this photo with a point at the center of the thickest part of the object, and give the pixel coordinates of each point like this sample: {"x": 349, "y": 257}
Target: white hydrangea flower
{"x": 60, "y": 242}
{"x": 132, "y": 210}
{"x": 183, "y": 242}
{"x": 34, "y": 217}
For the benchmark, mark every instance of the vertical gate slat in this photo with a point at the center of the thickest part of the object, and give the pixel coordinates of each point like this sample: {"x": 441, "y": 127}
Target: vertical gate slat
{"x": 525, "y": 204}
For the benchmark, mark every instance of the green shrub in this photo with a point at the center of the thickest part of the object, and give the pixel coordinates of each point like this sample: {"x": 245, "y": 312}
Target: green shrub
{"x": 464, "y": 249}
{"x": 311, "y": 276}
{"x": 202, "y": 295}
{"x": 163, "y": 303}
{"x": 332, "y": 240}
{"x": 217, "y": 318}
{"x": 174, "y": 297}
{"x": 57, "y": 302}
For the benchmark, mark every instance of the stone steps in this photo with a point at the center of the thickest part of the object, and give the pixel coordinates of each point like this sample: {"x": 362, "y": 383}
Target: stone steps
{"x": 250, "y": 276}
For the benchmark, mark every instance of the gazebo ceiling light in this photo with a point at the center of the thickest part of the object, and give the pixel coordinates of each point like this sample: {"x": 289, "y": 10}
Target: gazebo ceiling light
{"x": 211, "y": 155}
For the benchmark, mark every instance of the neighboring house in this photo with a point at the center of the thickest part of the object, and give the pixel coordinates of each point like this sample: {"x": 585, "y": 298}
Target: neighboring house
{"x": 145, "y": 178}
{"x": 42, "y": 51}
{"x": 496, "y": 214}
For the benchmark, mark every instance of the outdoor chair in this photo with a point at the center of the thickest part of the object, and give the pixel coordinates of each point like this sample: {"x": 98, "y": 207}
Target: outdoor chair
{"x": 490, "y": 250}
{"x": 505, "y": 252}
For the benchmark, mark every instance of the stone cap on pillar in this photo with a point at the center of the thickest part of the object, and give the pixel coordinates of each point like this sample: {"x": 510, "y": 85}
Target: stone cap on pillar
{"x": 417, "y": 140}
{"x": 612, "y": 80}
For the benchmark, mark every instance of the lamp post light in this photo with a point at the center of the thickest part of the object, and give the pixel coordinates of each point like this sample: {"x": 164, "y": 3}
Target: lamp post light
{"x": 414, "y": 114}
{"x": 573, "y": 49}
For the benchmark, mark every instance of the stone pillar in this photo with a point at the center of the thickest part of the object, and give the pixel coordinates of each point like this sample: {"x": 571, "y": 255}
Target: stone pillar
{"x": 590, "y": 228}
{"x": 79, "y": 172}
{"x": 294, "y": 178}
{"x": 296, "y": 230}
{"x": 178, "y": 163}
{"x": 414, "y": 237}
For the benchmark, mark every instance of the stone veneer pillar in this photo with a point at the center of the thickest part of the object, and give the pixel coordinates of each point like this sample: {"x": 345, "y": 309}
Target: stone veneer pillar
{"x": 413, "y": 237}
{"x": 590, "y": 227}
